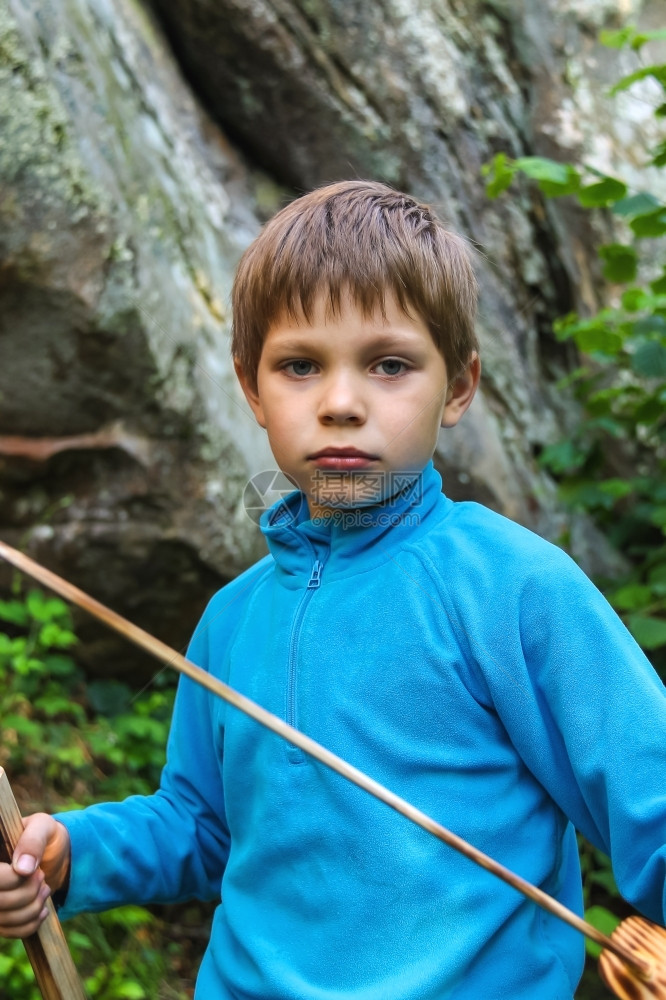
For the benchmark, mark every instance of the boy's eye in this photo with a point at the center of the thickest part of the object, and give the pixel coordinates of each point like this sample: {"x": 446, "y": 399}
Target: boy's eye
{"x": 298, "y": 368}
{"x": 391, "y": 366}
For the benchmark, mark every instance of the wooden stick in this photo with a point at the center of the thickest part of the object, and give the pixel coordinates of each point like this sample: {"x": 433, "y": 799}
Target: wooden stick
{"x": 173, "y": 659}
{"x": 47, "y": 949}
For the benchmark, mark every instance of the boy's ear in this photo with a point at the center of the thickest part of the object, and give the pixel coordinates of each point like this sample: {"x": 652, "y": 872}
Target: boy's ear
{"x": 461, "y": 390}
{"x": 251, "y": 394}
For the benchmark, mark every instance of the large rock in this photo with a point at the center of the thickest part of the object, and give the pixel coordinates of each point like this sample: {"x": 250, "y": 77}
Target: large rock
{"x": 125, "y": 442}
{"x": 122, "y": 214}
{"x": 420, "y": 93}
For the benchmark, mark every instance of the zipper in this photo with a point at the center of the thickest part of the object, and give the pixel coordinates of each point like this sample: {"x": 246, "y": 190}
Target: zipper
{"x": 296, "y": 756}
{"x": 315, "y": 575}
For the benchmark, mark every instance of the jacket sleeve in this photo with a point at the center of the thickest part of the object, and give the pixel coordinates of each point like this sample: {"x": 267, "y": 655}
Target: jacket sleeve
{"x": 172, "y": 845}
{"x": 581, "y": 704}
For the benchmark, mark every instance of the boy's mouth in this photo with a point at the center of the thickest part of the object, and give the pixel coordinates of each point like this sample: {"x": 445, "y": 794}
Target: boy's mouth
{"x": 341, "y": 459}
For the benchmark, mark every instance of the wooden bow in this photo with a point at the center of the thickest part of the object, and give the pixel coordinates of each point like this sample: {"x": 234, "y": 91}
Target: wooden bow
{"x": 47, "y": 949}
{"x": 632, "y": 962}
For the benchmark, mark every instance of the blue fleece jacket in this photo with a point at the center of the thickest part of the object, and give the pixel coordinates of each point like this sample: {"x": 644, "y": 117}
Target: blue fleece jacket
{"x": 460, "y": 660}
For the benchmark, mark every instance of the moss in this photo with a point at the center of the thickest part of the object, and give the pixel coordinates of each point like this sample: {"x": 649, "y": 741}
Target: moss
{"x": 37, "y": 151}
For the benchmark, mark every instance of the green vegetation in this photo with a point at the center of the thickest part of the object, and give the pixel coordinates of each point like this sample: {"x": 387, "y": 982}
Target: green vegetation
{"x": 613, "y": 466}
{"x": 95, "y": 741}
{"x": 87, "y": 743}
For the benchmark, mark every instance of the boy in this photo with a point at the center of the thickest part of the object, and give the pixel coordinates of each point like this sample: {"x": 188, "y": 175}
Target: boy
{"x": 456, "y": 657}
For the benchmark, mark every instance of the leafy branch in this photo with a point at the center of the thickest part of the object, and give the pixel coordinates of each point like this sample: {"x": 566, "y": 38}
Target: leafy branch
{"x": 613, "y": 465}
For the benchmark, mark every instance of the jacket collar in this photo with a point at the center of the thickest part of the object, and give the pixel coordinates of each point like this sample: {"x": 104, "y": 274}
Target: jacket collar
{"x": 354, "y": 539}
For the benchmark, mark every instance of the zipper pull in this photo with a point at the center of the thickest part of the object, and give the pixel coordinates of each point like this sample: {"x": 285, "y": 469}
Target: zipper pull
{"x": 315, "y": 576}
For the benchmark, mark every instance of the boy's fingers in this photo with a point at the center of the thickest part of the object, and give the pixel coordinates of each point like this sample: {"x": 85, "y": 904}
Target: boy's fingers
{"x": 24, "y": 922}
{"x": 25, "y": 864}
{"x": 28, "y": 854}
{"x": 24, "y": 908}
{"x": 11, "y": 882}
{"x": 23, "y": 887}
{"x": 23, "y": 904}
{"x": 8, "y": 878}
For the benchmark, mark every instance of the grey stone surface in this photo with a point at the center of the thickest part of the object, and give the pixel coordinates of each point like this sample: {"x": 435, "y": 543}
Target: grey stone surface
{"x": 421, "y": 93}
{"x": 125, "y": 444}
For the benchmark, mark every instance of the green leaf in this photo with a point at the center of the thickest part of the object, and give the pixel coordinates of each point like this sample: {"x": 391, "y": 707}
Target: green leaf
{"x": 553, "y": 178}
{"x": 501, "y": 172}
{"x": 649, "y": 223}
{"x": 660, "y": 112}
{"x": 616, "y": 488}
{"x": 45, "y": 609}
{"x": 585, "y": 495}
{"x": 649, "y": 360}
{"x": 631, "y": 597}
{"x": 52, "y": 635}
{"x": 607, "y": 424}
{"x": 604, "y": 191}
{"x": 641, "y": 37}
{"x": 592, "y": 337}
{"x": 657, "y": 579}
{"x": 14, "y": 612}
{"x": 25, "y": 728}
{"x": 62, "y": 667}
{"x": 55, "y": 705}
{"x": 658, "y": 517}
{"x": 600, "y": 403}
{"x": 130, "y": 991}
{"x": 655, "y": 489}
{"x": 636, "y": 204}
{"x": 73, "y": 756}
{"x": 635, "y": 299}
{"x": 6, "y": 965}
{"x": 129, "y": 916}
{"x": 565, "y": 327}
{"x": 540, "y": 168}
{"x": 617, "y": 39}
{"x": 564, "y": 456}
{"x": 26, "y": 665}
{"x": 649, "y": 324}
{"x": 604, "y": 921}
{"x": 78, "y": 940}
{"x": 6, "y": 645}
{"x": 648, "y": 411}
{"x": 659, "y": 155}
{"x": 650, "y": 633}
{"x": 619, "y": 262}
{"x": 659, "y": 286}
{"x": 658, "y": 72}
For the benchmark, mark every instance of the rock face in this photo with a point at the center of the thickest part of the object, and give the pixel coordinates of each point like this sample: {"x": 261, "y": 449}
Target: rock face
{"x": 420, "y": 93}
{"x": 125, "y": 444}
{"x": 122, "y": 214}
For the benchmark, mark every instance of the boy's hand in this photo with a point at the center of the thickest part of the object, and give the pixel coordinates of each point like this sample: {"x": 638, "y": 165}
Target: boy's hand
{"x": 40, "y": 865}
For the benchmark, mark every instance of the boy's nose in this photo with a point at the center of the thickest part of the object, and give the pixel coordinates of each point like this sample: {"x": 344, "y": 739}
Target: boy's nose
{"x": 341, "y": 401}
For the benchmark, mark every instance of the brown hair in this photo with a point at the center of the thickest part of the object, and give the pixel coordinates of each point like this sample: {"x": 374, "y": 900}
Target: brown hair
{"x": 366, "y": 239}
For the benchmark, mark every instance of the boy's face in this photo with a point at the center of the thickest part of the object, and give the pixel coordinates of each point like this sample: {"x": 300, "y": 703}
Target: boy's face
{"x": 349, "y": 400}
